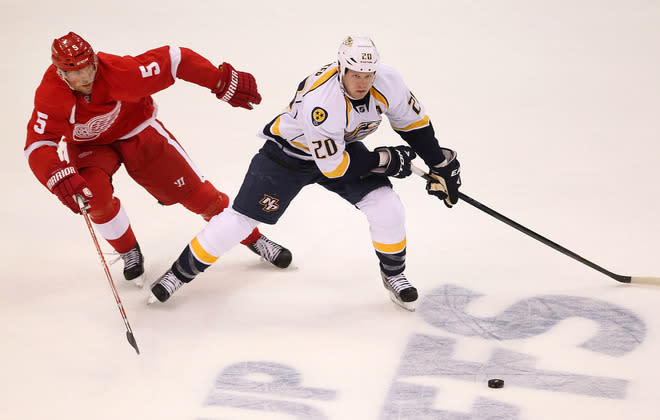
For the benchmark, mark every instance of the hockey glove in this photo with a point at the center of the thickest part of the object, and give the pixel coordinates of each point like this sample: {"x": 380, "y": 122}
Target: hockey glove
{"x": 446, "y": 179}
{"x": 65, "y": 183}
{"x": 237, "y": 87}
{"x": 394, "y": 161}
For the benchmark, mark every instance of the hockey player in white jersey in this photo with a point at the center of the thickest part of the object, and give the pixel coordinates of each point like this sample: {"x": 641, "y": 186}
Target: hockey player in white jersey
{"x": 318, "y": 139}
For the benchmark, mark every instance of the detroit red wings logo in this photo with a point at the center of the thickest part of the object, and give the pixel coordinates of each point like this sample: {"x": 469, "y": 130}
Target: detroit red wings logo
{"x": 92, "y": 129}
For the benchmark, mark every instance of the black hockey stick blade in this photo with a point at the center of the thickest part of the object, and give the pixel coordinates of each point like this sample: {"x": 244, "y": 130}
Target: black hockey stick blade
{"x": 544, "y": 240}
{"x": 131, "y": 341}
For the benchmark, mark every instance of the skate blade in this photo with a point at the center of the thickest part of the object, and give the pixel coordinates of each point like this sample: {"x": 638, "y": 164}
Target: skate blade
{"x": 140, "y": 281}
{"x": 151, "y": 299}
{"x": 408, "y": 306}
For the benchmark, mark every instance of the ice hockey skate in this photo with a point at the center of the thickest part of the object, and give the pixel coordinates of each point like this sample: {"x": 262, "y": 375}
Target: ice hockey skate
{"x": 401, "y": 291}
{"x": 134, "y": 266}
{"x": 164, "y": 287}
{"x": 272, "y": 252}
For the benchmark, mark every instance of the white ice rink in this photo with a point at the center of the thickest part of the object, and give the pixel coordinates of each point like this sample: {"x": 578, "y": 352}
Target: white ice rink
{"x": 554, "y": 109}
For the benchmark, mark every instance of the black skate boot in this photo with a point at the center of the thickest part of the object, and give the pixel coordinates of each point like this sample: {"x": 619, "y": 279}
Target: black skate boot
{"x": 164, "y": 287}
{"x": 272, "y": 252}
{"x": 401, "y": 291}
{"x": 134, "y": 265}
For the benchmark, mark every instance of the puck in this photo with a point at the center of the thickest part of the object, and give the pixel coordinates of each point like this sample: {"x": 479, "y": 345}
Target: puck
{"x": 495, "y": 383}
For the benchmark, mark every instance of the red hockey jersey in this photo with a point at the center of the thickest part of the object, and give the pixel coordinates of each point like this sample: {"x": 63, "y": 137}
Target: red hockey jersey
{"x": 119, "y": 106}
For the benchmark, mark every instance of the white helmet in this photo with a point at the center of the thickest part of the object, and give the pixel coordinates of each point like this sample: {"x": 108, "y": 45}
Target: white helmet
{"x": 358, "y": 54}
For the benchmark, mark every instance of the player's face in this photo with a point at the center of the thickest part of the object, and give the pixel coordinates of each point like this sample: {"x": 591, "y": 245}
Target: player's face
{"x": 80, "y": 80}
{"x": 357, "y": 83}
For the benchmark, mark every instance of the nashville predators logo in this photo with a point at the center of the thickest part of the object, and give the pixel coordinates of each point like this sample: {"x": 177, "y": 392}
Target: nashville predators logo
{"x": 318, "y": 116}
{"x": 269, "y": 203}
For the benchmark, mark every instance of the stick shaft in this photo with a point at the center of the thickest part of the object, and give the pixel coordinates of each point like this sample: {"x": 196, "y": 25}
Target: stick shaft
{"x": 542, "y": 239}
{"x": 129, "y": 332}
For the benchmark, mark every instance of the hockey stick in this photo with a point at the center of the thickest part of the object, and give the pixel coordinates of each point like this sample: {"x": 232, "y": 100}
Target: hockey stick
{"x": 546, "y": 241}
{"x": 129, "y": 331}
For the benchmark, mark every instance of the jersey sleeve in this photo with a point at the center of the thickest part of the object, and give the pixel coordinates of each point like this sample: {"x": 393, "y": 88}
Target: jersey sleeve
{"x": 405, "y": 113}
{"x": 196, "y": 69}
{"x": 53, "y": 102}
{"x": 408, "y": 118}
{"x": 134, "y": 77}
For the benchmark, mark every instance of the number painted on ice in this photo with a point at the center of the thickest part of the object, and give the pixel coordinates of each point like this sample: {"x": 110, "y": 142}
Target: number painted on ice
{"x": 241, "y": 387}
{"x": 619, "y": 330}
{"x": 150, "y": 69}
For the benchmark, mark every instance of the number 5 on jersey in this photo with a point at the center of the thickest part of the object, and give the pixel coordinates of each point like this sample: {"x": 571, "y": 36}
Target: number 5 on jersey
{"x": 40, "y": 126}
{"x": 150, "y": 69}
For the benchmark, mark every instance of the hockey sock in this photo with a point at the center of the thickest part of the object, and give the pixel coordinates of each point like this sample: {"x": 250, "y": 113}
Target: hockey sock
{"x": 125, "y": 242}
{"x": 115, "y": 226}
{"x": 392, "y": 264}
{"x": 252, "y": 237}
{"x": 188, "y": 266}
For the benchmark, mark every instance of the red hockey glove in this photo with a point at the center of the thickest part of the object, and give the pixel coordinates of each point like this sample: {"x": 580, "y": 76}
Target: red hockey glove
{"x": 237, "y": 87}
{"x": 65, "y": 183}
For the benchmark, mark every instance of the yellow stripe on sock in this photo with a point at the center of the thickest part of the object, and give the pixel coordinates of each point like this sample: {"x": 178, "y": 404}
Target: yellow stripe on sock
{"x": 200, "y": 253}
{"x": 390, "y": 248}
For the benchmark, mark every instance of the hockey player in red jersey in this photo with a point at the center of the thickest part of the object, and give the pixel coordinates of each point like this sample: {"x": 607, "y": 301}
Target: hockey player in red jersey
{"x": 100, "y": 106}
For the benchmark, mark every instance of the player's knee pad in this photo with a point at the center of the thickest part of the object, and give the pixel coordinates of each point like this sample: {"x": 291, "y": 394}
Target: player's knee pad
{"x": 384, "y": 210}
{"x": 103, "y": 206}
{"x": 225, "y": 231}
{"x": 206, "y": 201}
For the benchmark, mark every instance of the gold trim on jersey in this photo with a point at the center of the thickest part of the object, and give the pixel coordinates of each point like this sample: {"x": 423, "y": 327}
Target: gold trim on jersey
{"x": 340, "y": 170}
{"x": 299, "y": 145}
{"x": 200, "y": 253}
{"x": 275, "y": 128}
{"x": 421, "y": 123}
{"x": 321, "y": 80}
{"x": 379, "y": 97}
{"x": 390, "y": 248}
{"x": 348, "y": 110}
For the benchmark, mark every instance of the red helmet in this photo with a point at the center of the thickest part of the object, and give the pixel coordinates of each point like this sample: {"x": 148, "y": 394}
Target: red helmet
{"x": 71, "y": 52}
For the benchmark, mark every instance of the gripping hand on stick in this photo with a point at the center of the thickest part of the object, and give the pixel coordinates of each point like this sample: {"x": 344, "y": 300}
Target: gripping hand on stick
{"x": 65, "y": 182}
{"x": 237, "y": 88}
{"x": 394, "y": 161}
{"x": 446, "y": 179}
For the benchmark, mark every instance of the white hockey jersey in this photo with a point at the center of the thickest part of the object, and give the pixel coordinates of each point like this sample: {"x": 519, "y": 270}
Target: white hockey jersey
{"x": 320, "y": 120}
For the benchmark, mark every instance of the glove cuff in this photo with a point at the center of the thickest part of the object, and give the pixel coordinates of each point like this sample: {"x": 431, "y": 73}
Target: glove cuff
{"x": 227, "y": 89}
{"x": 384, "y": 156}
{"x": 59, "y": 175}
{"x": 449, "y": 155}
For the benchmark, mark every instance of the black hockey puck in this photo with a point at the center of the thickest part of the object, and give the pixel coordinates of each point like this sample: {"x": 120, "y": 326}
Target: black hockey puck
{"x": 495, "y": 383}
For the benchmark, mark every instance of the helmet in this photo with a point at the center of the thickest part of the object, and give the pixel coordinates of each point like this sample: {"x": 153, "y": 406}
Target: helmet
{"x": 358, "y": 54}
{"x": 71, "y": 52}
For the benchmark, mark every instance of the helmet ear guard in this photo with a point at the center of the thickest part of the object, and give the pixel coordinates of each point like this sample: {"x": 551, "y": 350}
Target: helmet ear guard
{"x": 71, "y": 53}
{"x": 358, "y": 54}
